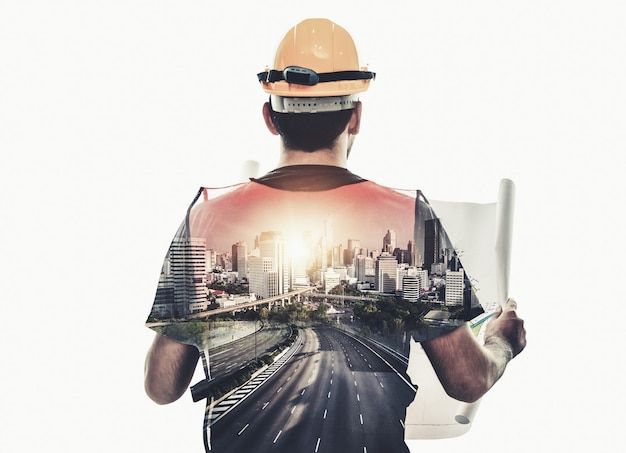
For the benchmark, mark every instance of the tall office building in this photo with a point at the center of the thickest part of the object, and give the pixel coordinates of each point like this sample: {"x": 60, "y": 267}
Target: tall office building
{"x": 263, "y": 278}
{"x": 422, "y": 274}
{"x": 389, "y": 241}
{"x": 338, "y": 255}
{"x": 331, "y": 279}
{"x": 240, "y": 259}
{"x": 401, "y": 271}
{"x": 272, "y": 245}
{"x": 365, "y": 269}
{"x": 210, "y": 258}
{"x": 188, "y": 272}
{"x": 224, "y": 261}
{"x": 350, "y": 252}
{"x": 454, "y": 287}
{"x": 432, "y": 243}
{"x": 386, "y": 266}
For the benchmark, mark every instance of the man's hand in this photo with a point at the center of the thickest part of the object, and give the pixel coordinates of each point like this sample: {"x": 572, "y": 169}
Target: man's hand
{"x": 508, "y": 327}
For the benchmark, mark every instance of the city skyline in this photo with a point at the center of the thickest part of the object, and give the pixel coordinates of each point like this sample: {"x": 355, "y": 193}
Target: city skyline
{"x": 279, "y": 263}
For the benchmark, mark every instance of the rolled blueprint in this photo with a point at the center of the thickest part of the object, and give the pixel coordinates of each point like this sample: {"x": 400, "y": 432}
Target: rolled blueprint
{"x": 481, "y": 234}
{"x": 504, "y": 232}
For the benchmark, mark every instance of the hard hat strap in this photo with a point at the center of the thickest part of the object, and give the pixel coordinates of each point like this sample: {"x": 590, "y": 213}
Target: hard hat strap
{"x": 306, "y": 76}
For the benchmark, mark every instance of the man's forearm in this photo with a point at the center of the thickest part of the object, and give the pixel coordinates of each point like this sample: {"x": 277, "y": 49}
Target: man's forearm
{"x": 169, "y": 368}
{"x": 466, "y": 369}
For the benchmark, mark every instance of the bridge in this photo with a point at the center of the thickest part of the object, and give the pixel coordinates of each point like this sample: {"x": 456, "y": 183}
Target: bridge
{"x": 269, "y": 301}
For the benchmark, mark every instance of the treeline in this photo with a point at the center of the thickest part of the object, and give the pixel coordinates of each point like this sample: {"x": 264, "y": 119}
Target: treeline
{"x": 295, "y": 312}
{"x": 388, "y": 315}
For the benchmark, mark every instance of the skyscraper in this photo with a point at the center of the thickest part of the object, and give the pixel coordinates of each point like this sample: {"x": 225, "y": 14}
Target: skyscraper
{"x": 423, "y": 276}
{"x": 210, "y": 259}
{"x": 365, "y": 269}
{"x": 240, "y": 258}
{"x": 389, "y": 241}
{"x": 338, "y": 255}
{"x": 350, "y": 252}
{"x": 272, "y": 246}
{"x": 432, "y": 242}
{"x": 454, "y": 287}
{"x": 386, "y": 266}
{"x": 263, "y": 278}
{"x": 188, "y": 272}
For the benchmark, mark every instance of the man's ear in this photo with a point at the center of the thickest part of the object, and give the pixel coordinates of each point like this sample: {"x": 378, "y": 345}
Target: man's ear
{"x": 355, "y": 120}
{"x": 268, "y": 119}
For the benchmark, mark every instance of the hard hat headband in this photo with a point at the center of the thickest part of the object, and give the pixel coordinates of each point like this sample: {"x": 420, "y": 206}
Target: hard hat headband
{"x": 282, "y": 104}
{"x": 306, "y": 76}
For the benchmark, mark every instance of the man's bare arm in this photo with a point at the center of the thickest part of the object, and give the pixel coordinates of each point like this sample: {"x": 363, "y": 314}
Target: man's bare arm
{"x": 169, "y": 368}
{"x": 467, "y": 369}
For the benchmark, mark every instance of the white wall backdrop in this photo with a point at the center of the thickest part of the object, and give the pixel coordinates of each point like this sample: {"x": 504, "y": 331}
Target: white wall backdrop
{"x": 113, "y": 113}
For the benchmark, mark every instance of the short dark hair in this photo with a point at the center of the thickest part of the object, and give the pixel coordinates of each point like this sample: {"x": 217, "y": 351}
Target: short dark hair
{"x": 310, "y": 131}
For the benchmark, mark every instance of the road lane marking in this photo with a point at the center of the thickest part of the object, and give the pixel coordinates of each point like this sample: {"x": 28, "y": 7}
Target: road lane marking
{"x": 387, "y": 363}
{"x": 222, "y": 352}
{"x": 361, "y": 418}
{"x": 364, "y": 449}
{"x": 328, "y": 395}
{"x": 402, "y": 423}
{"x": 277, "y": 435}
{"x": 331, "y": 381}
{"x": 303, "y": 390}
{"x": 325, "y": 411}
{"x": 317, "y": 445}
{"x": 265, "y": 405}
{"x": 355, "y": 382}
{"x": 358, "y": 398}
{"x": 381, "y": 384}
{"x": 243, "y": 429}
{"x": 293, "y": 409}
{"x": 279, "y": 389}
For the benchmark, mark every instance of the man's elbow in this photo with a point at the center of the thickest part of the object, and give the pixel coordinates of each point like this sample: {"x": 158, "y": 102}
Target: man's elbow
{"x": 159, "y": 394}
{"x": 466, "y": 390}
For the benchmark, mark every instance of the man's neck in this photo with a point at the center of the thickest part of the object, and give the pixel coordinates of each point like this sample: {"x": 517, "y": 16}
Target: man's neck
{"x": 324, "y": 156}
{"x": 311, "y": 158}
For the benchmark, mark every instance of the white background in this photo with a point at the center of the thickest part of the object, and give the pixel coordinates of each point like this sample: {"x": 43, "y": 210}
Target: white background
{"x": 112, "y": 114}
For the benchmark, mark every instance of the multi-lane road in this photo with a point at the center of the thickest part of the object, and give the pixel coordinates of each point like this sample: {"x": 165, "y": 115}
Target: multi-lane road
{"x": 336, "y": 394}
{"x": 231, "y": 356}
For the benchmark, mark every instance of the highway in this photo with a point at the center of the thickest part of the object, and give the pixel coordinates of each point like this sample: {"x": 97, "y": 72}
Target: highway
{"x": 231, "y": 356}
{"x": 334, "y": 395}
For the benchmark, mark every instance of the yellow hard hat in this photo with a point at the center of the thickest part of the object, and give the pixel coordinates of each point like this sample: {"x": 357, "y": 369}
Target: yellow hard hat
{"x": 316, "y": 58}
